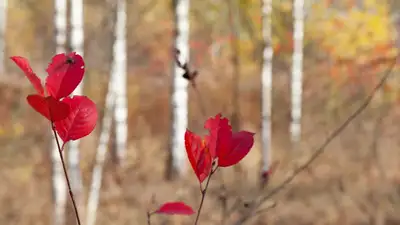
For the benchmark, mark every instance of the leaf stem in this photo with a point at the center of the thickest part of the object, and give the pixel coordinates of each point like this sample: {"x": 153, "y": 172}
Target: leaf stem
{"x": 203, "y": 195}
{"x": 66, "y": 174}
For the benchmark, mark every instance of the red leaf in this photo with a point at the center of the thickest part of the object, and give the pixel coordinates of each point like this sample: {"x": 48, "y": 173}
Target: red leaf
{"x": 227, "y": 147}
{"x": 241, "y": 144}
{"x": 198, "y": 154}
{"x": 220, "y": 134}
{"x": 65, "y": 74}
{"x": 175, "y": 208}
{"x": 23, "y": 64}
{"x": 59, "y": 110}
{"x": 81, "y": 120}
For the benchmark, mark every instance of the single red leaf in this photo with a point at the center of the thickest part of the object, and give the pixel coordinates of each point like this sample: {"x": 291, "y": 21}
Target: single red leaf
{"x": 45, "y": 105}
{"x": 81, "y": 120}
{"x": 220, "y": 134}
{"x": 198, "y": 155}
{"x": 172, "y": 208}
{"x": 241, "y": 144}
{"x": 24, "y": 65}
{"x": 65, "y": 74}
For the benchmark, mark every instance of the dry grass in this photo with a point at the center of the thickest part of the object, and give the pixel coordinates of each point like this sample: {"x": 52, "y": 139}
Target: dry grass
{"x": 355, "y": 182}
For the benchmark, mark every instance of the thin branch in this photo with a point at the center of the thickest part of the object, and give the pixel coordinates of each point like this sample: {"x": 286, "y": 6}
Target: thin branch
{"x": 191, "y": 76}
{"x": 203, "y": 195}
{"x": 323, "y": 146}
{"x": 200, "y": 100}
{"x": 264, "y": 210}
{"x": 149, "y": 218}
{"x": 66, "y": 174}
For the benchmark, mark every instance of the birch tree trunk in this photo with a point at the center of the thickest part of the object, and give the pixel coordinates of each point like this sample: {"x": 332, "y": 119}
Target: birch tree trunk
{"x": 179, "y": 98}
{"x": 77, "y": 41}
{"x": 266, "y": 87}
{"x": 297, "y": 70}
{"x": 59, "y": 183}
{"x": 115, "y": 82}
{"x": 119, "y": 72}
{"x": 3, "y": 27}
{"x": 94, "y": 192}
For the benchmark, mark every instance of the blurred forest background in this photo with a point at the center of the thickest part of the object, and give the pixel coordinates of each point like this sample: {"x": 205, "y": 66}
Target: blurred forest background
{"x": 348, "y": 44}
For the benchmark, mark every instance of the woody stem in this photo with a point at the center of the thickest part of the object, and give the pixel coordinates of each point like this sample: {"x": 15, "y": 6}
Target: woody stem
{"x": 66, "y": 175}
{"x": 203, "y": 195}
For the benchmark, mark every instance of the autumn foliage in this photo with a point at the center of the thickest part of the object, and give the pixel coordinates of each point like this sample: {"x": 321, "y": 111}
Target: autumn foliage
{"x": 220, "y": 148}
{"x": 73, "y": 117}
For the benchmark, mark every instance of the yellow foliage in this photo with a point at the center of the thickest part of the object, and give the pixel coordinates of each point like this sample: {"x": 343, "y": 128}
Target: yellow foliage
{"x": 354, "y": 33}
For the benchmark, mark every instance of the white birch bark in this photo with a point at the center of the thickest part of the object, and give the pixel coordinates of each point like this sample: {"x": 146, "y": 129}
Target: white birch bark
{"x": 119, "y": 72}
{"x": 94, "y": 192}
{"x": 117, "y": 80}
{"x": 266, "y": 85}
{"x": 77, "y": 39}
{"x": 59, "y": 183}
{"x": 77, "y": 32}
{"x": 297, "y": 70}
{"x": 179, "y": 88}
{"x": 3, "y": 26}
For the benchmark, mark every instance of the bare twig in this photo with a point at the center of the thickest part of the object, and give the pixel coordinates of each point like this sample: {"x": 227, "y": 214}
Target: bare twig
{"x": 66, "y": 175}
{"x": 149, "y": 218}
{"x": 203, "y": 195}
{"x": 191, "y": 75}
{"x": 322, "y": 148}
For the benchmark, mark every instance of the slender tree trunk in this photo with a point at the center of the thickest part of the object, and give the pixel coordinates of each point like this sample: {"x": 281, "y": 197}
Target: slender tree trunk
{"x": 297, "y": 71}
{"x": 77, "y": 42}
{"x": 179, "y": 98}
{"x": 119, "y": 72}
{"x": 94, "y": 192}
{"x": 118, "y": 67}
{"x": 266, "y": 88}
{"x": 3, "y": 27}
{"x": 59, "y": 183}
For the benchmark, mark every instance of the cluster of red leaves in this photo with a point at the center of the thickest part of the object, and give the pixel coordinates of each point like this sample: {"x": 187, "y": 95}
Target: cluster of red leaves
{"x": 73, "y": 117}
{"x": 221, "y": 147}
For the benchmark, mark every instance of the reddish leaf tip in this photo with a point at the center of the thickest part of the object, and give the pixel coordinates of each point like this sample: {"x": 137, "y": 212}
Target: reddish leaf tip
{"x": 24, "y": 65}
